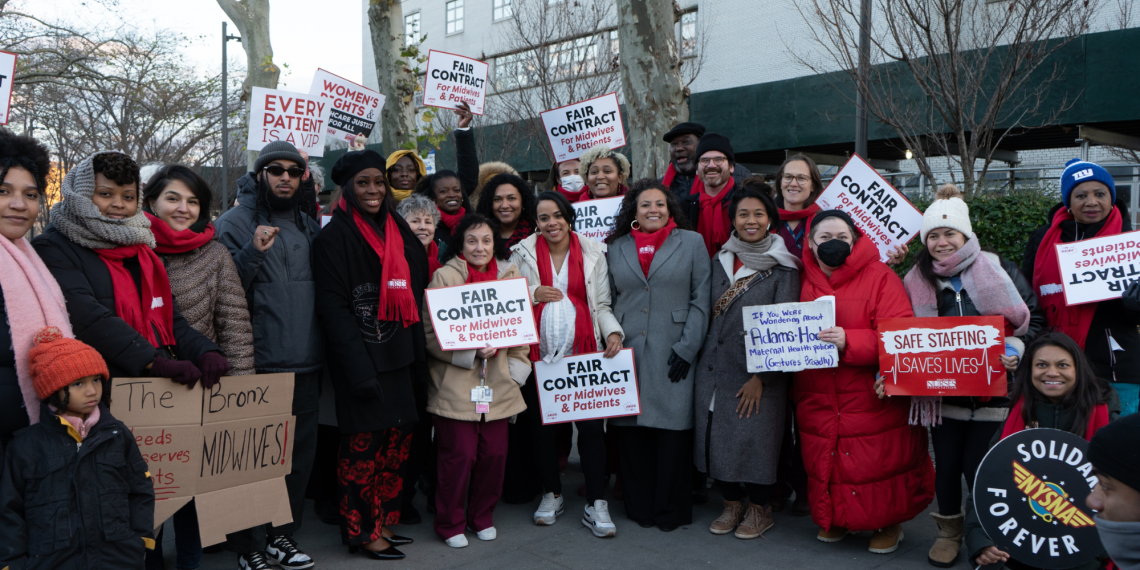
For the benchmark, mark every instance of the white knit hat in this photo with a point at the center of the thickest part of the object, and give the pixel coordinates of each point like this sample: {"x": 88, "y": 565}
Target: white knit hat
{"x": 947, "y": 211}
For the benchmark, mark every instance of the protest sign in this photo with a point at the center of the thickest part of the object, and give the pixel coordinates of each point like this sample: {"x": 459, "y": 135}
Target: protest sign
{"x": 575, "y": 128}
{"x": 943, "y": 356}
{"x": 355, "y": 108}
{"x": 878, "y": 209}
{"x": 492, "y": 313}
{"x": 785, "y": 337}
{"x": 1029, "y": 494}
{"x": 595, "y": 218}
{"x": 296, "y": 118}
{"x": 587, "y": 387}
{"x": 451, "y": 79}
{"x": 1098, "y": 269}
{"x": 7, "y": 74}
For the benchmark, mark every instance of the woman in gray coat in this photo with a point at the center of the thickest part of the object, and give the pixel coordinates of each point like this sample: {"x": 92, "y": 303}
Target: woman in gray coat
{"x": 659, "y": 275}
{"x": 740, "y": 415}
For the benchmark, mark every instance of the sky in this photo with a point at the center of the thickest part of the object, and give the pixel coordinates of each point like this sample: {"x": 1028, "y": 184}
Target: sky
{"x": 303, "y": 37}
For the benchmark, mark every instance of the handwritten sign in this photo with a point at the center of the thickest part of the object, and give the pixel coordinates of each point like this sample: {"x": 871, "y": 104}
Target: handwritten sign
{"x": 296, "y": 118}
{"x": 943, "y": 356}
{"x": 1099, "y": 269}
{"x": 355, "y": 108}
{"x": 7, "y": 74}
{"x": 587, "y": 387}
{"x": 492, "y": 313}
{"x": 451, "y": 79}
{"x": 884, "y": 215}
{"x": 575, "y": 128}
{"x": 785, "y": 337}
{"x": 595, "y": 218}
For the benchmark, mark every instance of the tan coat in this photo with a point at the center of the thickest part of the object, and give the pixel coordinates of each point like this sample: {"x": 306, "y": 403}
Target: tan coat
{"x": 455, "y": 372}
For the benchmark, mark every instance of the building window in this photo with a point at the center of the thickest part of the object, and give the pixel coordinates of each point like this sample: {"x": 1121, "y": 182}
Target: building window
{"x": 615, "y": 45}
{"x": 575, "y": 57}
{"x": 501, "y": 10}
{"x": 412, "y": 29}
{"x": 454, "y": 16}
{"x": 689, "y": 34}
{"x": 515, "y": 70}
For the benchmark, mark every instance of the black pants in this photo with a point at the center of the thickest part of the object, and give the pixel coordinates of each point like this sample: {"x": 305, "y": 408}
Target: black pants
{"x": 759, "y": 495}
{"x": 791, "y": 475}
{"x": 657, "y": 471}
{"x": 591, "y": 448}
{"x": 959, "y": 447}
{"x": 522, "y": 482}
{"x": 420, "y": 466}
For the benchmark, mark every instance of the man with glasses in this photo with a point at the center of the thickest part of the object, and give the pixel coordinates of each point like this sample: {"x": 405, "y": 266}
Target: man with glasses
{"x": 708, "y": 202}
{"x": 682, "y": 171}
{"x": 270, "y": 240}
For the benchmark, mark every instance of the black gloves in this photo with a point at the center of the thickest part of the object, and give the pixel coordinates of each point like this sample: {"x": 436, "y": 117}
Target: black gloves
{"x": 1131, "y": 297}
{"x": 678, "y": 368}
{"x": 368, "y": 390}
{"x": 213, "y": 366}
{"x": 179, "y": 371}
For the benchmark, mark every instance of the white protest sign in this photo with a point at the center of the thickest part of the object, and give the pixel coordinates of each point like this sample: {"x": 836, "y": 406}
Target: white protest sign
{"x": 1100, "y": 268}
{"x": 476, "y": 315}
{"x": 881, "y": 211}
{"x": 595, "y": 218}
{"x": 785, "y": 337}
{"x": 451, "y": 79}
{"x": 7, "y": 74}
{"x": 575, "y": 128}
{"x": 296, "y": 118}
{"x": 355, "y": 108}
{"x": 587, "y": 387}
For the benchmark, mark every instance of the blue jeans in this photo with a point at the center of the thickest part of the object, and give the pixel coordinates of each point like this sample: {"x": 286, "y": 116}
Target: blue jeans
{"x": 1129, "y": 397}
{"x": 187, "y": 542}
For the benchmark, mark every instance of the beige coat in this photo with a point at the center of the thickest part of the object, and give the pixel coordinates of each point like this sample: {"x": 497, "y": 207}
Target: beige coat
{"x": 455, "y": 372}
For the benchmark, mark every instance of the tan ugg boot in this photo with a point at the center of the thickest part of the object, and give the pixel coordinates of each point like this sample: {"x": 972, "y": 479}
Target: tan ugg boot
{"x": 945, "y": 550}
{"x": 726, "y": 523}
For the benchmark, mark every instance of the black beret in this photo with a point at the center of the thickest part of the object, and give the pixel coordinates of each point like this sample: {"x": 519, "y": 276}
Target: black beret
{"x": 684, "y": 129}
{"x": 353, "y": 162}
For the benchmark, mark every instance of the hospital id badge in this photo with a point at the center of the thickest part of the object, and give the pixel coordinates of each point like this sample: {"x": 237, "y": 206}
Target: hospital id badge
{"x": 481, "y": 395}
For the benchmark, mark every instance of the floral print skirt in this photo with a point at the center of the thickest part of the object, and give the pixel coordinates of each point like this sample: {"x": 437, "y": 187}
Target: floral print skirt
{"x": 370, "y": 476}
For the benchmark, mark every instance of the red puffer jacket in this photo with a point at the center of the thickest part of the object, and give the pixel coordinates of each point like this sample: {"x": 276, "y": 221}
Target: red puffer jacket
{"x": 867, "y": 467}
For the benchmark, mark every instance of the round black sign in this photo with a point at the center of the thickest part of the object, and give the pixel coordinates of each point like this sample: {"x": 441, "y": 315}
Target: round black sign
{"x": 1030, "y": 496}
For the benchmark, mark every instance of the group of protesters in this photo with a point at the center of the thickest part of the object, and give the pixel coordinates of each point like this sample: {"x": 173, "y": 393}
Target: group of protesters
{"x": 132, "y": 278}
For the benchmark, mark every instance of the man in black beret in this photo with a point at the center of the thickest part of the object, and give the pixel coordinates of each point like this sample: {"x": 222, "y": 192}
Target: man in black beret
{"x": 682, "y": 171}
{"x": 1115, "y": 455}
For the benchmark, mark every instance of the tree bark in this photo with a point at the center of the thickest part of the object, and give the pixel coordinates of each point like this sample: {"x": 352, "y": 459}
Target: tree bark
{"x": 251, "y": 18}
{"x": 393, "y": 77}
{"x": 651, "y": 81}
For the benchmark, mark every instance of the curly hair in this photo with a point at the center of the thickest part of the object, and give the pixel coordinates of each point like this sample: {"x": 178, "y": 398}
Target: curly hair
{"x": 628, "y": 211}
{"x": 418, "y": 204}
{"x": 755, "y": 187}
{"x": 455, "y": 246}
{"x": 486, "y": 206}
{"x": 118, "y": 167}
{"x": 427, "y": 184}
{"x": 27, "y": 153}
{"x": 597, "y": 151}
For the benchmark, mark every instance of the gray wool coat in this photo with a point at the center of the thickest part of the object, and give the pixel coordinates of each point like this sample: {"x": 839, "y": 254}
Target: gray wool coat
{"x": 664, "y": 313}
{"x": 738, "y": 449}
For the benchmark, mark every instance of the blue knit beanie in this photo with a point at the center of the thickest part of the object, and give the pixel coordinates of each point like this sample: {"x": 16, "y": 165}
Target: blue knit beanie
{"x": 1078, "y": 171}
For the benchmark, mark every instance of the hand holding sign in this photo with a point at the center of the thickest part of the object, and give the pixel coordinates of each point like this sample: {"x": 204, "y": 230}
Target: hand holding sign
{"x": 475, "y": 316}
{"x": 453, "y": 79}
{"x": 943, "y": 356}
{"x": 463, "y": 110}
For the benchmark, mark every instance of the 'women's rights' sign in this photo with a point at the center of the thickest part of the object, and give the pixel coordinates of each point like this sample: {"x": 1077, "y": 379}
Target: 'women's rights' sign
{"x": 785, "y": 337}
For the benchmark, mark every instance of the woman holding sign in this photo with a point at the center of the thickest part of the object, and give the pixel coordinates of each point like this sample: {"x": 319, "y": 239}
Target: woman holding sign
{"x": 606, "y": 173}
{"x": 868, "y": 468}
{"x": 510, "y": 201}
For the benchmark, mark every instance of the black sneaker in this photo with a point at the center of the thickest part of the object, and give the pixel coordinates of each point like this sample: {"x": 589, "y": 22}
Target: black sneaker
{"x": 410, "y": 515}
{"x": 253, "y": 561}
{"x": 284, "y": 551}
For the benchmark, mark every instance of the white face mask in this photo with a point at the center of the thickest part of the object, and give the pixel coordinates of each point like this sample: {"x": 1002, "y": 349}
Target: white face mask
{"x": 572, "y": 183}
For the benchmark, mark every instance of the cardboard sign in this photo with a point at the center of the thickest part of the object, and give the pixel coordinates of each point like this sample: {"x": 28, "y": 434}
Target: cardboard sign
{"x": 493, "y": 313}
{"x": 943, "y": 356}
{"x": 575, "y": 128}
{"x": 587, "y": 387}
{"x": 595, "y": 218}
{"x": 7, "y": 75}
{"x": 878, "y": 209}
{"x": 1100, "y": 268}
{"x": 1030, "y": 494}
{"x": 451, "y": 79}
{"x": 355, "y": 108}
{"x": 785, "y": 337}
{"x": 296, "y": 118}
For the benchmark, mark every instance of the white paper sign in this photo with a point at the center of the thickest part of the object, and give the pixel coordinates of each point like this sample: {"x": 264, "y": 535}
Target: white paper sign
{"x": 575, "y": 128}
{"x": 587, "y": 387}
{"x": 7, "y": 74}
{"x": 595, "y": 218}
{"x": 477, "y": 315}
{"x": 451, "y": 79}
{"x": 1100, "y": 268}
{"x": 355, "y": 108}
{"x": 881, "y": 211}
{"x": 785, "y": 337}
{"x": 296, "y": 118}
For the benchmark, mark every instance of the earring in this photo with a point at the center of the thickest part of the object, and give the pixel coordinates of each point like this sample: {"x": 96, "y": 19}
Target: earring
{"x": 634, "y": 225}
{"x": 769, "y": 228}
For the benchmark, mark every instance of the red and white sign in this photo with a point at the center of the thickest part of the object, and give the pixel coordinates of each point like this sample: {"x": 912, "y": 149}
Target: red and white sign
{"x": 575, "y": 128}
{"x": 296, "y": 118}
{"x": 355, "y": 108}
{"x": 587, "y": 387}
{"x": 943, "y": 356}
{"x": 7, "y": 75}
{"x": 595, "y": 218}
{"x": 879, "y": 210}
{"x": 1100, "y": 268}
{"x": 452, "y": 79}
{"x": 494, "y": 314}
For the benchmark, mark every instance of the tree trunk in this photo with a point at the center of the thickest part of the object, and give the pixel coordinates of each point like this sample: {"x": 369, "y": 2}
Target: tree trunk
{"x": 651, "y": 81}
{"x": 398, "y": 117}
{"x": 251, "y": 18}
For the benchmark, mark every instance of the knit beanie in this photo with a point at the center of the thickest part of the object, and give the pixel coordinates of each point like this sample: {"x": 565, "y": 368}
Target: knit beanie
{"x": 1115, "y": 450}
{"x": 947, "y": 211}
{"x": 57, "y": 361}
{"x": 279, "y": 150}
{"x": 1078, "y": 171}
{"x": 715, "y": 141}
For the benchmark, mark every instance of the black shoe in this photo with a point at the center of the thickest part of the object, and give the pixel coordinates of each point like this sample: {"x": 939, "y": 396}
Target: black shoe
{"x": 327, "y": 512}
{"x": 397, "y": 540}
{"x": 778, "y": 504}
{"x": 644, "y": 524}
{"x": 700, "y": 496}
{"x": 666, "y": 527}
{"x": 801, "y": 508}
{"x": 409, "y": 515}
{"x": 431, "y": 504}
{"x": 214, "y": 548}
{"x": 254, "y": 561}
{"x": 288, "y": 556}
{"x": 390, "y": 553}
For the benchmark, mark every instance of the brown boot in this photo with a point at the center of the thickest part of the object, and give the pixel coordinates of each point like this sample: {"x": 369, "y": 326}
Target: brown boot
{"x": 726, "y": 523}
{"x": 886, "y": 540}
{"x": 944, "y": 553}
{"x": 756, "y": 521}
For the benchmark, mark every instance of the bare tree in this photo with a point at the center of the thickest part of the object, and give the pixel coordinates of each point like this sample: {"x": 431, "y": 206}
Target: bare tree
{"x": 950, "y": 72}
{"x": 1124, "y": 14}
{"x": 52, "y": 53}
{"x": 395, "y": 78}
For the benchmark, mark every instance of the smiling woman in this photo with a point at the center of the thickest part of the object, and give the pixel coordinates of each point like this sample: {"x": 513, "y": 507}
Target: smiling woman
{"x": 509, "y": 200}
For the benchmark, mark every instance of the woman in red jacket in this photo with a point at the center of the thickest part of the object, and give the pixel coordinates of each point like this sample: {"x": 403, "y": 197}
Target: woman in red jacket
{"x": 868, "y": 469}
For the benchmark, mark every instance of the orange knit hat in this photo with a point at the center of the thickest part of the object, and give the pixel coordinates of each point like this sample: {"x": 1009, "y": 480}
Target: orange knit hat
{"x": 57, "y": 361}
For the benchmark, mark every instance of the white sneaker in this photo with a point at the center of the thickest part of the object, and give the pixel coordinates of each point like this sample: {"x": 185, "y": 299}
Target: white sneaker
{"x": 457, "y": 541}
{"x": 597, "y": 519}
{"x": 549, "y": 509}
{"x": 486, "y": 534}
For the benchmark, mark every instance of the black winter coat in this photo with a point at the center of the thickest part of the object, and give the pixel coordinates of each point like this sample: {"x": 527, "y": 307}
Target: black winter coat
{"x": 682, "y": 186}
{"x": 467, "y": 167}
{"x": 68, "y": 505}
{"x": 90, "y": 297}
{"x": 12, "y": 414}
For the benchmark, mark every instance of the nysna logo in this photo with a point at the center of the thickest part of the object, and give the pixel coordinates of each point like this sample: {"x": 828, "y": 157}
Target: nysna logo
{"x": 398, "y": 283}
{"x": 1082, "y": 174}
{"x": 155, "y": 303}
{"x": 941, "y": 384}
{"x": 1051, "y": 289}
{"x": 647, "y": 250}
{"x": 1049, "y": 500}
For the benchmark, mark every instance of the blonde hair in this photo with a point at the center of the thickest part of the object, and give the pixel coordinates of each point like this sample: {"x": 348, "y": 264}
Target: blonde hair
{"x": 591, "y": 156}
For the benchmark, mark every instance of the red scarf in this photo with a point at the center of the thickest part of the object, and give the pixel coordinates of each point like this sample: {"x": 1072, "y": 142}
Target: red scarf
{"x": 670, "y": 174}
{"x": 789, "y": 215}
{"x": 574, "y": 196}
{"x": 1016, "y": 422}
{"x": 1071, "y": 320}
{"x": 522, "y": 231}
{"x": 713, "y": 223}
{"x": 490, "y": 273}
{"x": 154, "y": 310}
{"x": 174, "y": 242}
{"x": 396, "y": 299}
{"x": 452, "y": 220}
{"x": 433, "y": 259}
{"x": 648, "y": 243}
{"x": 584, "y": 341}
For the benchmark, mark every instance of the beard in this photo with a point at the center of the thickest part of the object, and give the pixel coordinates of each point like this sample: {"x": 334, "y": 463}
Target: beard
{"x": 688, "y": 170}
{"x": 279, "y": 204}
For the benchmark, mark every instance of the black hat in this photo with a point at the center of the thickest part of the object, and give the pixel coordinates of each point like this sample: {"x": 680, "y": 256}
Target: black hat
{"x": 684, "y": 129}
{"x": 353, "y": 162}
{"x": 715, "y": 141}
{"x": 824, "y": 214}
{"x": 1115, "y": 450}
{"x": 279, "y": 150}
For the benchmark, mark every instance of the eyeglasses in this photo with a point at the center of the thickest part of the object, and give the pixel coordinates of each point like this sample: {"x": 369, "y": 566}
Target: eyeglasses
{"x": 802, "y": 179}
{"x": 717, "y": 160}
{"x": 276, "y": 170}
